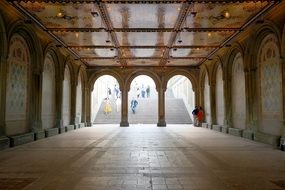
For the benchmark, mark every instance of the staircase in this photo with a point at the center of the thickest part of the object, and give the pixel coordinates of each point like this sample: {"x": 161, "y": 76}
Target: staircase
{"x": 147, "y": 112}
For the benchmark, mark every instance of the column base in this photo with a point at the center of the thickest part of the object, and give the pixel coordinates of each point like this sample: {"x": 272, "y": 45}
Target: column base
{"x": 124, "y": 124}
{"x": 161, "y": 124}
{"x": 282, "y": 143}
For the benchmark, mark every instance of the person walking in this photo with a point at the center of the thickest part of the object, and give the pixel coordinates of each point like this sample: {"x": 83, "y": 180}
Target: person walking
{"x": 107, "y": 106}
{"x": 200, "y": 116}
{"x": 147, "y": 91}
{"x": 195, "y": 116}
{"x": 134, "y": 104}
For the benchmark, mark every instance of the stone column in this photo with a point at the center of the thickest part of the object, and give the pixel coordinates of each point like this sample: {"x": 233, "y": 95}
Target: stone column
{"x": 88, "y": 96}
{"x": 2, "y": 95}
{"x": 227, "y": 101}
{"x": 58, "y": 99}
{"x": 4, "y": 141}
{"x": 124, "y": 108}
{"x": 213, "y": 102}
{"x": 196, "y": 96}
{"x": 73, "y": 96}
{"x": 35, "y": 101}
{"x": 161, "y": 107}
{"x": 282, "y": 140}
{"x": 83, "y": 102}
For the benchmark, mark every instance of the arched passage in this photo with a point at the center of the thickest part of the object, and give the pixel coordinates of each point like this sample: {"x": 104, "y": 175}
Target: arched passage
{"x": 106, "y": 100}
{"x": 142, "y": 101}
{"x": 179, "y": 100}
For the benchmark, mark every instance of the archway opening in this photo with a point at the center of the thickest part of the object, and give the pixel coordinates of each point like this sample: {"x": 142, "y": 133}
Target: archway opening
{"x": 179, "y": 100}
{"x": 143, "y": 101}
{"x": 106, "y": 101}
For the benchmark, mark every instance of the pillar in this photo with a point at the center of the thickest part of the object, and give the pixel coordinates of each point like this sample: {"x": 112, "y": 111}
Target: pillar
{"x": 282, "y": 140}
{"x": 213, "y": 102}
{"x": 58, "y": 99}
{"x": 227, "y": 100}
{"x": 2, "y": 95}
{"x": 124, "y": 108}
{"x": 73, "y": 95}
{"x": 161, "y": 107}
{"x": 88, "y": 96}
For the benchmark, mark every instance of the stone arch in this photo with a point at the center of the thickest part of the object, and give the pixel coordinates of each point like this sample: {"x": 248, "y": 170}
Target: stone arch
{"x": 100, "y": 73}
{"x": 205, "y": 93}
{"x": 269, "y": 82}
{"x": 66, "y": 93}
{"x": 17, "y": 86}
{"x": 218, "y": 80}
{"x": 236, "y": 92}
{"x": 138, "y": 72}
{"x": 261, "y": 32}
{"x": 32, "y": 41}
{"x": 182, "y": 72}
{"x": 48, "y": 103}
{"x": 3, "y": 39}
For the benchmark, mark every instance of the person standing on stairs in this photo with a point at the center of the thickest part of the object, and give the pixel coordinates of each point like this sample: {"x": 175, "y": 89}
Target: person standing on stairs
{"x": 134, "y": 104}
{"x": 195, "y": 116}
{"x": 147, "y": 91}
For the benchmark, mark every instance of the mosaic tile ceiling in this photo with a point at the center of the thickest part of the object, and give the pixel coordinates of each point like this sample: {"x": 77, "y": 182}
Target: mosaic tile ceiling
{"x": 142, "y": 33}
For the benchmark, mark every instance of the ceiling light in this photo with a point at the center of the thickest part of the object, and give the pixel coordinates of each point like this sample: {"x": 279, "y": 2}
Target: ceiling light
{"x": 112, "y": 49}
{"x": 209, "y": 34}
{"x": 60, "y": 14}
{"x": 175, "y": 49}
{"x": 227, "y": 14}
{"x": 179, "y": 41}
{"x": 193, "y": 13}
{"x": 76, "y": 34}
{"x": 94, "y": 14}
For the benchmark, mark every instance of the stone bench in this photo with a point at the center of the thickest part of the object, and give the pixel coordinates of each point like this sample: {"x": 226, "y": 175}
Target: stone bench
{"x": 267, "y": 138}
{"x": 61, "y": 130}
{"x": 69, "y": 128}
{"x": 217, "y": 128}
{"x": 205, "y": 125}
{"x": 81, "y": 125}
{"x": 21, "y": 139}
{"x": 224, "y": 129}
{"x": 247, "y": 134}
{"x": 39, "y": 135}
{"x": 235, "y": 132}
{"x": 51, "y": 132}
{"x": 4, "y": 142}
{"x": 76, "y": 126}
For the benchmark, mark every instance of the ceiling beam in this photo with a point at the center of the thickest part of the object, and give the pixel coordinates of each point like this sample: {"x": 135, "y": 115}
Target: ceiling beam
{"x": 180, "y": 20}
{"x": 131, "y": 58}
{"x": 144, "y": 47}
{"x": 106, "y": 18}
{"x": 143, "y": 30}
{"x": 135, "y": 1}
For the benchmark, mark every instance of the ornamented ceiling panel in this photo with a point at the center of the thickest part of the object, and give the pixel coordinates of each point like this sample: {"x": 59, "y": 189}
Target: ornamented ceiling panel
{"x": 143, "y": 32}
{"x": 143, "y": 38}
{"x": 143, "y": 62}
{"x": 85, "y": 38}
{"x": 184, "y": 62}
{"x": 143, "y": 15}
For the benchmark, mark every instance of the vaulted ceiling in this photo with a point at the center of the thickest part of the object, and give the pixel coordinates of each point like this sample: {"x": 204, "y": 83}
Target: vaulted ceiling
{"x": 140, "y": 32}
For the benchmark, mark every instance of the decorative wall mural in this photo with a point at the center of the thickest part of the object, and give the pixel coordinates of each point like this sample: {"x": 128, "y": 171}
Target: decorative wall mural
{"x": 238, "y": 93}
{"x": 207, "y": 103}
{"x": 66, "y": 100}
{"x": 17, "y": 85}
{"x": 78, "y": 100}
{"x": 270, "y": 85}
{"x": 220, "y": 113}
{"x": 48, "y": 93}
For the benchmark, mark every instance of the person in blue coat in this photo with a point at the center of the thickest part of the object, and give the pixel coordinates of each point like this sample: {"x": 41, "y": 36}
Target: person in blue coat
{"x": 134, "y": 104}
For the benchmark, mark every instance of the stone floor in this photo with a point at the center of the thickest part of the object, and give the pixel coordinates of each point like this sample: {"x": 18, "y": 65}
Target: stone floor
{"x": 143, "y": 157}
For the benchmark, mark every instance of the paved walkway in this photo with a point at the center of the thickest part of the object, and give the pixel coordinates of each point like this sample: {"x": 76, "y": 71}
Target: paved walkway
{"x": 143, "y": 157}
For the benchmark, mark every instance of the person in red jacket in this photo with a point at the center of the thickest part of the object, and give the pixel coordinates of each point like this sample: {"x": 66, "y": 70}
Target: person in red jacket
{"x": 200, "y": 115}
